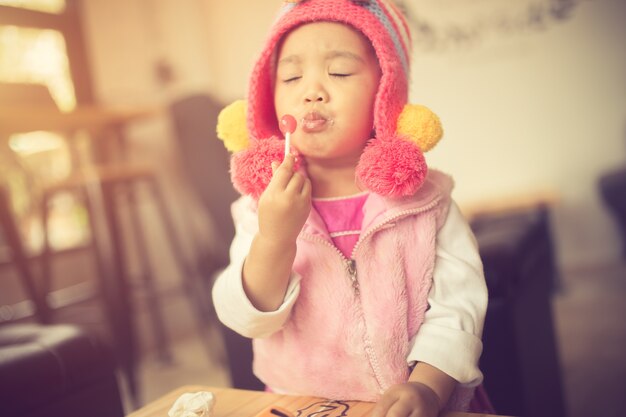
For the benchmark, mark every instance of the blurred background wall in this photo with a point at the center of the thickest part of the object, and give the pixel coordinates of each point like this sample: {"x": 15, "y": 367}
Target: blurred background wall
{"x": 531, "y": 93}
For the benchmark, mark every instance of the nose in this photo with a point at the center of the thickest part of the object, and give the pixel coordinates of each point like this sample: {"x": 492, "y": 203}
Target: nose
{"x": 316, "y": 93}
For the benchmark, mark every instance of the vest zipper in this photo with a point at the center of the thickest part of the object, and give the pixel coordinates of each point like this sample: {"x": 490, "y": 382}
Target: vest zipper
{"x": 351, "y": 267}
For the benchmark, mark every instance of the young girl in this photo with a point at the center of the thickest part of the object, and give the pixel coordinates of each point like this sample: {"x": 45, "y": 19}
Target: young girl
{"x": 352, "y": 269}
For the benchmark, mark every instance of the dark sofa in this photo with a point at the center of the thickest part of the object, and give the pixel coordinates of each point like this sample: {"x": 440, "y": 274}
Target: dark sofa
{"x": 520, "y": 358}
{"x": 613, "y": 191}
{"x": 54, "y": 371}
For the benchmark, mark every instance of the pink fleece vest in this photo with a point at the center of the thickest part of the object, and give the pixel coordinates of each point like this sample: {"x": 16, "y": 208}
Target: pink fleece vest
{"x": 349, "y": 331}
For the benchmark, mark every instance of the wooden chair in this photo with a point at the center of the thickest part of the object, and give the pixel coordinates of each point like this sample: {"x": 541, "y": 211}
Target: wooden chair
{"x": 612, "y": 188}
{"x": 206, "y": 164}
{"x": 520, "y": 357}
{"x": 11, "y": 234}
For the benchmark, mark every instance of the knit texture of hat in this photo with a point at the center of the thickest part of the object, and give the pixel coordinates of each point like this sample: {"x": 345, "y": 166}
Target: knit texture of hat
{"x": 392, "y": 164}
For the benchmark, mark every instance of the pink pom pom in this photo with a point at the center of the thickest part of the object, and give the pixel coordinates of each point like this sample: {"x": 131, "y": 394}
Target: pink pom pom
{"x": 251, "y": 169}
{"x": 392, "y": 167}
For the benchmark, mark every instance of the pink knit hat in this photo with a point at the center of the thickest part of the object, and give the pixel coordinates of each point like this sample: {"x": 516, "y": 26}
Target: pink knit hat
{"x": 392, "y": 164}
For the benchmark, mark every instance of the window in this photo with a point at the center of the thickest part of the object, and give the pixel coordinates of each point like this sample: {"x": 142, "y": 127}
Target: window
{"x": 41, "y": 43}
{"x": 33, "y": 55}
{"x": 49, "y": 6}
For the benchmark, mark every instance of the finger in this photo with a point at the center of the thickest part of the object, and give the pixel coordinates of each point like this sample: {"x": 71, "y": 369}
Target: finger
{"x": 306, "y": 188}
{"x": 283, "y": 173}
{"x": 383, "y": 406}
{"x": 289, "y": 161}
{"x": 399, "y": 409}
{"x": 295, "y": 183}
{"x": 415, "y": 413}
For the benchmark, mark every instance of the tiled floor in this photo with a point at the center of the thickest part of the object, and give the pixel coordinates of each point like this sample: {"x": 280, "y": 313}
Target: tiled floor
{"x": 590, "y": 316}
{"x": 191, "y": 366}
{"x": 195, "y": 360}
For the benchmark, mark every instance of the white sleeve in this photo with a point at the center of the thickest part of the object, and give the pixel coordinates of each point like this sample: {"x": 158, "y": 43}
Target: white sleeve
{"x": 232, "y": 305}
{"x": 450, "y": 337}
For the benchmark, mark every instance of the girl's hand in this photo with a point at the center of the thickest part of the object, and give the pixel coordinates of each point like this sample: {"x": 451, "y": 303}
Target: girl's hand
{"x": 285, "y": 204}
{"x": 411, "y": 399}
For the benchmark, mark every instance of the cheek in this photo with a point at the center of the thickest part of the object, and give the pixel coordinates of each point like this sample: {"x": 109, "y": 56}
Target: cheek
{"x": 285, "y": 104}
{"x": 281, "y": 100}
{"x": 360, "y": 131}
{"x": 363, "y": 113}
{"x": 364, "y": 97}
{"x": 278, "y": 104}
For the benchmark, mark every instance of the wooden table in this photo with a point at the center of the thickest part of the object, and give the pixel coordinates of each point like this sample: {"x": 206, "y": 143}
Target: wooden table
{"x": 97, "y": 121}
{"x": 91, "y": 118}
{"x": 239, "y": 403}
{"x": 514, "y": 202}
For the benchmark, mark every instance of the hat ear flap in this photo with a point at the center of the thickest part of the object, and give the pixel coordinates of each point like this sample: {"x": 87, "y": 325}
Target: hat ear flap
{"x": 231, "y": 126}
{"x": 391, "y": 167}
{"x": 419, "y": 125}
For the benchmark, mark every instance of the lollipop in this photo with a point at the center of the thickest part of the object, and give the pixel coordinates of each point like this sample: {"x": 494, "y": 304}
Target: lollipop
{"x": 287, "y": 126}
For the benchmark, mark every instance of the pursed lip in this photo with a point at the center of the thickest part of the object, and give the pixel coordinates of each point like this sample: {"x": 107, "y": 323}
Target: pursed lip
{"x": 315, "y": 122}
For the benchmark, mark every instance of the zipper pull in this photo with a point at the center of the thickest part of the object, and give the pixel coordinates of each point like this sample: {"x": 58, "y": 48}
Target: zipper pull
{"x": 351, "y": 266}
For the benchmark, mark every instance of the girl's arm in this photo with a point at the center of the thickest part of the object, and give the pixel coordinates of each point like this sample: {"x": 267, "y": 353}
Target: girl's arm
{"x": 284, "y": 207}
{"x": 231, "y": 303}
{"x": 431, "y": 378}
{"x": 232, "y": 297}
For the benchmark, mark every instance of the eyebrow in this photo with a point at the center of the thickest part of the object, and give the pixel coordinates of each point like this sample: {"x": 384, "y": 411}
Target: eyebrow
{"x": 333, "y": 54}
{"x": 291, "y": 59}
{"x": 345, "y": 54}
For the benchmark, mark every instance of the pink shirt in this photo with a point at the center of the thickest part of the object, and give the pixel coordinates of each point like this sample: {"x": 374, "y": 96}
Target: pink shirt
{"x": 343, "y": 217}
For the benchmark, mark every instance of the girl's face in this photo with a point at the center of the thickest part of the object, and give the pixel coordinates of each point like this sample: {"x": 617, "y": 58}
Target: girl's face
{"x": 327, "y": 77}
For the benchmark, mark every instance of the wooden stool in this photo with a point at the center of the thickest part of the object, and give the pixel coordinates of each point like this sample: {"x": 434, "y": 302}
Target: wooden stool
{"x": 103, "y": 190}
{"x": 12, "y": 236}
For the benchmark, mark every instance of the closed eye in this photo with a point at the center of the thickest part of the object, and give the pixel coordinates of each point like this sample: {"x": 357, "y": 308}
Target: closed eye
{"x": 291, "y": 79}
{"x": 339, "y": 75}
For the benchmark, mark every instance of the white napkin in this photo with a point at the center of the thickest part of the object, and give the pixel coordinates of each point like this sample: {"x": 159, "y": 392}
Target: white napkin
{"x": 193, "y": 404}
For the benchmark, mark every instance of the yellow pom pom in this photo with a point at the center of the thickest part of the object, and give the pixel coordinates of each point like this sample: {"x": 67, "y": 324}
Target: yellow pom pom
{"x": 231, "y": 126}
{"x": 420, "y": 125}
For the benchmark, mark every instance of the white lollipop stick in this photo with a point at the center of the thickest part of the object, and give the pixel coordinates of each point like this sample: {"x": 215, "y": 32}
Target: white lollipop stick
{"x": 287, "y": 143}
